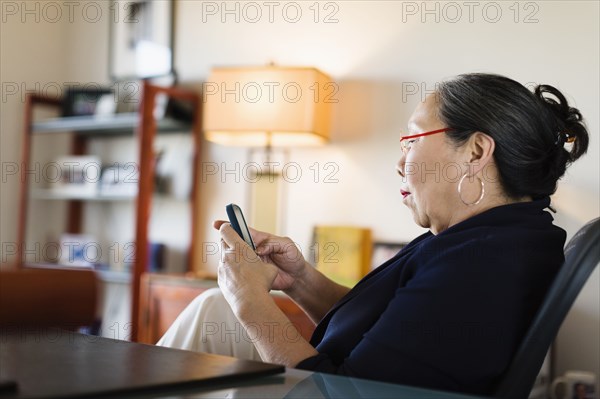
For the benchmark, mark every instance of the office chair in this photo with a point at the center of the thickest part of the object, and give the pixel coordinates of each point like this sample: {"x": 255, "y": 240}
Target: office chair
{"x": 582, "y": 254}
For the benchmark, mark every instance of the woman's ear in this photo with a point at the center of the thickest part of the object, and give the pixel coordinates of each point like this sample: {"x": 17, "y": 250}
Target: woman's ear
{"x": 480, "y": 151}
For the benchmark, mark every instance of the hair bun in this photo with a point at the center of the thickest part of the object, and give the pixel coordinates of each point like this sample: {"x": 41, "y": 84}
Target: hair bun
{"x": 570, "y": 127}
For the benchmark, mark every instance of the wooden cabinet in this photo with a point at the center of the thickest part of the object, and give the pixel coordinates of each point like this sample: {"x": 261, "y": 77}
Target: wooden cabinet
{"x": 144, "y": 126}
{"x": 163, "y": 297}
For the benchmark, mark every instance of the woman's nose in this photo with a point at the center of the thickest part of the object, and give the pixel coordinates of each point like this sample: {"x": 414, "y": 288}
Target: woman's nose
{"x": 400, "y": 165}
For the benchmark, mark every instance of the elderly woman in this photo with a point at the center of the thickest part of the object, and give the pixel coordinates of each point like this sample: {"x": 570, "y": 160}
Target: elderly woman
{"x": 449, "y": 310}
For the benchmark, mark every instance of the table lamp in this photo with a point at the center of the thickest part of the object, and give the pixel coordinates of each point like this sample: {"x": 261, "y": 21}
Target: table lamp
{"x": 267, "y": 107}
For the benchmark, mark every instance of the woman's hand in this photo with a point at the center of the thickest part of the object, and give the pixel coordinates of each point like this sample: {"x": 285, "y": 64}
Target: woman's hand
{"x": 279, "y": 251}
{"x": 242, "y": 275}
{"x": 245, "y": 281}
{"x": 277, "y": 264}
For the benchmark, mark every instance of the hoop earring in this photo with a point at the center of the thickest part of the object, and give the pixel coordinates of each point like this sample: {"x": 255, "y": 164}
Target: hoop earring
{"x": 460, "y": 191}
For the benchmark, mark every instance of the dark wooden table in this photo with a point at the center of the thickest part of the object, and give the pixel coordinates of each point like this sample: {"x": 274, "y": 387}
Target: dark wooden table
{"x": 53, "y": 363}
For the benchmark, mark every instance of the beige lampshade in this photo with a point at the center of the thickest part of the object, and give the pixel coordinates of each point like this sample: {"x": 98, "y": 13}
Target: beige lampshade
{"x": 268, "y": 106}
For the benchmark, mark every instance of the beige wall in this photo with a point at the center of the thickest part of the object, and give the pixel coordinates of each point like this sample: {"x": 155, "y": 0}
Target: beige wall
{"x": 377, "y": 52}
{"x": 33, "y": 57}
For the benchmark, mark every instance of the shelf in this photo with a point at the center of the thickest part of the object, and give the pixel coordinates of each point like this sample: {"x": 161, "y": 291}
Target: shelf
{"x": 47, "y": 265}
{"x": 109, "y": 276}
{"x": 114, "y": 125}
{"x": 48, "y": 194}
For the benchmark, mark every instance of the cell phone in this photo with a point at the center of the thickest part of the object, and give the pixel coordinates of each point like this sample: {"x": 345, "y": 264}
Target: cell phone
{"x": 236, "y": 218}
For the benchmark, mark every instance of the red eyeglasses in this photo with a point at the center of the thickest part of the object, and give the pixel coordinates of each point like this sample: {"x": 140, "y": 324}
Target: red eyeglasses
{"x": 406, "y": 141}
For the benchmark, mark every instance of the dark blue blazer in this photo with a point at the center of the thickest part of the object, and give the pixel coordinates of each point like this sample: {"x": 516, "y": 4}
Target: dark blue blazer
{"x": 449, "y": 310}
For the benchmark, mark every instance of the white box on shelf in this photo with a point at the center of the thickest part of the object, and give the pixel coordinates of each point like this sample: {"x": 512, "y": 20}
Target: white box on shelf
{"x": 79, "y": 250}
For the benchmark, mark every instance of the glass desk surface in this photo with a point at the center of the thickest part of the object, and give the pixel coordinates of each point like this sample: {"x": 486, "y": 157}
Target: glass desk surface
{"x": 300, "y": 384}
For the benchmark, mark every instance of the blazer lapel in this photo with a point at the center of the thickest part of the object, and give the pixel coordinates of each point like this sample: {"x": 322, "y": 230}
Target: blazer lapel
{"x": 357, "y": 289}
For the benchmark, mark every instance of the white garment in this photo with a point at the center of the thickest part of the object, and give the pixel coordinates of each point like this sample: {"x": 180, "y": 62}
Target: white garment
{"x": 208, "y": 325}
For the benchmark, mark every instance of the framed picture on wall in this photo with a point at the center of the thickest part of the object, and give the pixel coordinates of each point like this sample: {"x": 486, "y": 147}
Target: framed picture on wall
{"x": 382, "y": 251}
{"x": 342, "y": 253}
{"x": 141, "y": 39}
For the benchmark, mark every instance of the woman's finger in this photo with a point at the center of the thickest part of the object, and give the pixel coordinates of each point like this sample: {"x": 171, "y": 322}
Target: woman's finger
{"x": 229, "y": 235}
{"x": 259, "y": 236}
{"x": 274, "y": 245}
{"x": 217, "y": 223}
{"x": 224, "y": 246}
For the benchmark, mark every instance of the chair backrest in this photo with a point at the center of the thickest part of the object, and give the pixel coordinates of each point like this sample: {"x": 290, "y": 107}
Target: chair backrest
{"x": 48, "y": 298}
{"x": 582, "y": 255}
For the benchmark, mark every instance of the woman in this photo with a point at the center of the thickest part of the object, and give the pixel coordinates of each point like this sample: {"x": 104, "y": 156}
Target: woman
{"x": 481, "y": 159}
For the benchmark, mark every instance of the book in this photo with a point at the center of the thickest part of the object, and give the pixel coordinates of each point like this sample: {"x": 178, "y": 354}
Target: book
{"x": 342, "y": 253}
